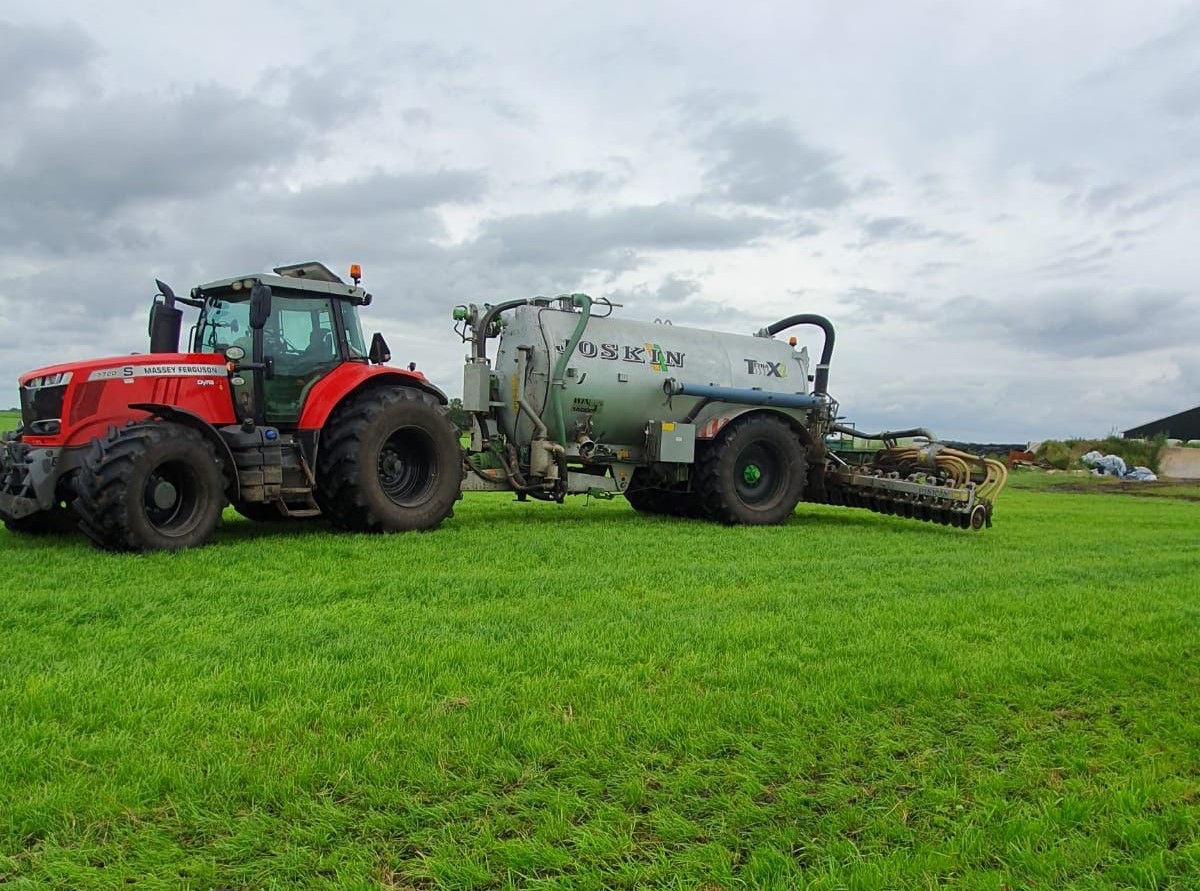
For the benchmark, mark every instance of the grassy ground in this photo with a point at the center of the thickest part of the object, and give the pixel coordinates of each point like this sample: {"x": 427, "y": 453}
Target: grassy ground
{"x": 578, "y": 697}
{"x": 9, "y": 420}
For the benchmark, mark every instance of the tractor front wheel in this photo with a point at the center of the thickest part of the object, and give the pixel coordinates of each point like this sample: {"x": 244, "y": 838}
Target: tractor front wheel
{"x": 754, "y": 473}
{"x": 150, "y": 487}
{"x": 389, "y": 461}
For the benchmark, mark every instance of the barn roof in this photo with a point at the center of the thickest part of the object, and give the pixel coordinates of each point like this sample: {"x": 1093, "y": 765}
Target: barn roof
{"x": 1185, "y": 425}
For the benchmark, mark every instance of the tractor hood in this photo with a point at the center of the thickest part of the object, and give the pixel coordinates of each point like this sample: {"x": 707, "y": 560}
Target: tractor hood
{"x": 118, "y": 367}
{"x": 73, "y": 402}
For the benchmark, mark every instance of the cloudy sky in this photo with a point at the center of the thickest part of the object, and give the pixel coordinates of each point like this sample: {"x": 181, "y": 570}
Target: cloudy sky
{"x": 995, "y": 203}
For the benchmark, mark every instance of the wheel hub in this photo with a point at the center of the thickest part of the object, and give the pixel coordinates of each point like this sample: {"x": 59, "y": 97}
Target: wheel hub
{"x": 165, "y": 494}
{"x": 407, "y": 466}
{"x": 751, "y": 474}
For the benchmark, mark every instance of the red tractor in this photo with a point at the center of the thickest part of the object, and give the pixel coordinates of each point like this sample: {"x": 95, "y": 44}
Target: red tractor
{"x": 279, "y": 408}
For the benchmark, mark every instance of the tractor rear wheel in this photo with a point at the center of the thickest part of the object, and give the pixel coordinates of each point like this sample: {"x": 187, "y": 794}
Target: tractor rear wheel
{"x": 151, "y": 487}
{"x": 753, "y": 473}
{"x": 389, "y": 461}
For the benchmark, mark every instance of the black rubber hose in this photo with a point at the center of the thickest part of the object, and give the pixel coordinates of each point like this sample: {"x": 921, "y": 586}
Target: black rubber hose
{"x": 886, "y": 434}
{"x": 821, "y": 380}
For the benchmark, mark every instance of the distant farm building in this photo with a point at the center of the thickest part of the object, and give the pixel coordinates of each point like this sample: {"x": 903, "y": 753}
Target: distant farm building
{"x": 1185, "y": 425}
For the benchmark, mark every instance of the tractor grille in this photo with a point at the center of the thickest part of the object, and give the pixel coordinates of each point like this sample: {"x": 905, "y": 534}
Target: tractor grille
{"x": 41, "y": 404}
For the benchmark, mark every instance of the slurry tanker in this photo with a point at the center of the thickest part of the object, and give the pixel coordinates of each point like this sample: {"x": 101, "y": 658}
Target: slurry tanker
{"x": 280, "y": 407}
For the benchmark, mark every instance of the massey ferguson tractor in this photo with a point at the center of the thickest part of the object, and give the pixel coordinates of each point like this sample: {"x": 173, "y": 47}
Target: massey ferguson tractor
{"x": 280, "y": 409}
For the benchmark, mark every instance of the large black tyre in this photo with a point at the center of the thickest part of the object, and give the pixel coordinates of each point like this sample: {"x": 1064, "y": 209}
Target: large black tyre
{"x": 157, "y": 486}
{"x": 389, "y": 461}
{"x": 753, "y": 473}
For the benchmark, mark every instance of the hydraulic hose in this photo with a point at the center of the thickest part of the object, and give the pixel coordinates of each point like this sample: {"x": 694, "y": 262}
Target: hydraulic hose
{"x": 584, "y": 302}
{"x": 821, "y": 379}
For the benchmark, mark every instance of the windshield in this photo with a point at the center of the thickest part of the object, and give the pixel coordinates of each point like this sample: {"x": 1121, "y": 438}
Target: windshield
{"x": 224, "y": 323}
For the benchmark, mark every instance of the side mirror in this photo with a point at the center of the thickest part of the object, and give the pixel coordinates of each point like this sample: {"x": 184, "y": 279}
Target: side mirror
{"x": 260, "y": 305}
{"x": 379, "y": 352}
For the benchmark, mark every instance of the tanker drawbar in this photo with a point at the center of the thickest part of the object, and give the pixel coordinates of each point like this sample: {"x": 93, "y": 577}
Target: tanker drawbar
{"x": 687, "y": 422}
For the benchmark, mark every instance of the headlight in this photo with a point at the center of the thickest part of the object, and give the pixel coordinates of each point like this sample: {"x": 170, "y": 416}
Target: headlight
{"x": 50, "y": 380}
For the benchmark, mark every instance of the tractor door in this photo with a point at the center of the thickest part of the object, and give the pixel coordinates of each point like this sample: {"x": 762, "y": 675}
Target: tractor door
{"x": 301, "y": 341}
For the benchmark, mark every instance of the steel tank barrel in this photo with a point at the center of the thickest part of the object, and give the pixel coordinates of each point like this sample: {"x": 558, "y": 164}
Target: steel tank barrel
{"x": 613, "y": 383}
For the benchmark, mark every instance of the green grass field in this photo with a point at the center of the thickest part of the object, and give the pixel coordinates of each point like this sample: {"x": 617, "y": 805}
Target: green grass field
{"x": 578, "y": 697}
{"x": 9, "y": 420}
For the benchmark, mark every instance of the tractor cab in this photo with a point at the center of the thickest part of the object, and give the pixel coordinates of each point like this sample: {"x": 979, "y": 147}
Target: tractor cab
{"x": 283, "y": 333}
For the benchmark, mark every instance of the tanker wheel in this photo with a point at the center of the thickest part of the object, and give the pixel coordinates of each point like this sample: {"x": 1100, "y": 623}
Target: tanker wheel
{"x": 151, "y": 487}
{"x": 389, "y": 461}
{"x": 753, "y": 473}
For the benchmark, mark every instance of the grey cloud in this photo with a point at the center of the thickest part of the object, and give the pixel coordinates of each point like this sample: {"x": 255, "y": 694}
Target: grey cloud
{"x": 1182, "y": 99}
{"x": 699, "y": 108}
{"x": 78, "y": 168}
{"x": 876, "y": 307}
{"x": 1123, "y": 198}
{"x": 1160, "y": 198}
{"x": 616, "y": 238}
{"x": 674, "y": 300}
{"x": 587, "y": 181}
{"x": 1180, "y": 39}
{"x": 935, "y": 267}
{"x": 1073, "y": 264}
{"x": 1085, "y": 322}
{"x": 906, "y": 229}
{"x": 580, "y": 180}
{"x": 1059, "y": 175}
{"x": 384, "y": 193}
{"x": 670, "y": 292}
{"x": 1103, "y": 197}
{"x": 38, "y": 55}
{"x": 1062, "y": 322}
{"x": 765, "y": 163}
{"x": 324, "y": 93}
{"x": 417, "y": 117}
